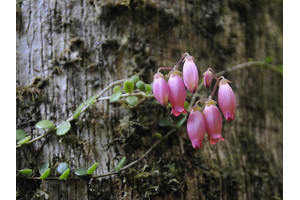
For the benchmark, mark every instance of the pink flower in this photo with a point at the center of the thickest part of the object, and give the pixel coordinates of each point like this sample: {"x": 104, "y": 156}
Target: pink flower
{"x": 160, "y": 89}
{"x": 213, "y": 122}
{"x": 196, "y": 127}
{"x": 190, "y": 74}
{"x": 207, "y": 78}
{"x": 226, "y": 100}
{"x": 177, "y": 93}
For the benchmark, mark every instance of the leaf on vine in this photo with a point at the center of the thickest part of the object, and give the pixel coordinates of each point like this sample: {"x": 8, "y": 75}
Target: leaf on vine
{"x": 81, "y": 171}
{"x": 26, "y": 172}
{"x": 165, "y": 122}
{"x": 90, "y": 100}
{"x": 20, "y": 134}
{"x": 120, "y": 164}
{"x": 65, "y": 175}
{"x": 131, "y": 100}
{"x": 62, "y": 167}
{"x": 44, "y": 124}
{"x": 115, "y": 97}
{"x": 63, "y": 128}
{"x": 92, "y": 168}
{"x": 78, "y": 111}
{"x": 45, "y": 174}
{"x": 24, "y": 140}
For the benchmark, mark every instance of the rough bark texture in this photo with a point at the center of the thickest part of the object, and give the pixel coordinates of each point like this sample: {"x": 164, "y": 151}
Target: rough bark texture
{"x": 69, "y": 50}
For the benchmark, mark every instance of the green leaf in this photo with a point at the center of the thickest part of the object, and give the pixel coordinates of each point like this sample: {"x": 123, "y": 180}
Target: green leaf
{"x": 65, "y": 175}
{"x": 78, "y": 111}
{"x": 20, "y": 134}
{"x": 128, "y": 86}
{"x": 135, "y": 78}
{"x": 165, "y": 122}
{"x": 169, "y": 105}
{"x": 24, "y": 140}
{"x": 81, "y": 171}
{"x": 186, "y": 105}
{"x": 115, "y": 97}
{"x": 44, "y": 124}
{"x": 43, "y": 167}
{"x": 92, "y": 168}
{"x": 181, "y": 121}
{"x": 90, "y": 100}
{"x": 140, "y": 85}
{"x": 26, "y": 172}
{"x": 62, "y": 167}
{"x": 148, "y": 88}
{"x": 45, "y": 174}
{"x": 131, "y": 100}
{"x": 63, "y": 128}
{"x": 120, "y": 164}
{"x": 116, "y": 89}
{"x": 268, "y": 59}
{"x": 159, "y": 135}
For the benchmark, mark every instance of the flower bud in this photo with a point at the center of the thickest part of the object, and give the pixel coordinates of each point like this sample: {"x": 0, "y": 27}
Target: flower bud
{"x": 190, "y": 74}
{"x": 213, "y": 122}
{"x": 177, "y": 93}
{"x": 226, "y": 100}
{"x": 207, "y": 78}
{"x": 160, "y": 89}
{"x": 196, "y": 127}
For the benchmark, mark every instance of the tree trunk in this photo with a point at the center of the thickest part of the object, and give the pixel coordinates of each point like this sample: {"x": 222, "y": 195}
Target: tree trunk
{"x": 67, "y": 51}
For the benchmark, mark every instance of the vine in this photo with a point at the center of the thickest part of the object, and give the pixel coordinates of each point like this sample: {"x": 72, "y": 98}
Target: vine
{"x": 143, "y": 90}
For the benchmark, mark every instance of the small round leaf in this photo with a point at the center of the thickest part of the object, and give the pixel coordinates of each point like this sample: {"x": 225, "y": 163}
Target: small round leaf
{"x": 26, "y": 172}
{"x": 20, "y": 134}
{"x": 92, "y": 168}
{"x": 45, "y": 174}
{"x": 24, "y": 140}
{"x": 62, "y": 167}
{"x": 186, "y": 105}
{"x": 116, "y": 89}
{"x": 140, "y": 85}
{"x": 128, "y": 86}
{"x": 115, "y": 97}
{"x": 63, "y": 128}
{"x": 65, "y": 175}
{"x": 135, "y": 78}
{"x": 148, "y": 88}
{"x": 43, "y": 167}
{"x": 131, "y": 100}
{"x": 81, "y": 171}
{"x": 44, "y": 124}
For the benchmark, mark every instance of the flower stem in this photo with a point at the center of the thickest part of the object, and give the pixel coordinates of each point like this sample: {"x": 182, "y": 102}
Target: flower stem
{"x": 180, "y": 60}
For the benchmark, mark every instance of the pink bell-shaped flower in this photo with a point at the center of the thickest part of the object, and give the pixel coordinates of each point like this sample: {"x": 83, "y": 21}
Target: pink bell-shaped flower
{"x": 196, "y": 127}
{"x": 226, "y": 99}
{"x": 213, "y": 122}
{"x": 177, "y": 93}
{"x": 207, "y": 78}
{"x": 160, "y": 89}
{"x": 190, "y": 74}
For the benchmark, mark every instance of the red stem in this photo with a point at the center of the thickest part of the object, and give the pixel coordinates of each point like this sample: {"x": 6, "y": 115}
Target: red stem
{"x": 180, "y": 60}
{"x": 167, "y": 68}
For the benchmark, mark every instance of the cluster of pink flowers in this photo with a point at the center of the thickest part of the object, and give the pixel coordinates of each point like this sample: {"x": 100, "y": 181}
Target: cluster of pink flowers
{"x": 209, "y": 120}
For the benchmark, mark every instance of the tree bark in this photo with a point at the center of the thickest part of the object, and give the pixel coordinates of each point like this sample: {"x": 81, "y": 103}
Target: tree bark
{"x": 67, "y": 51}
